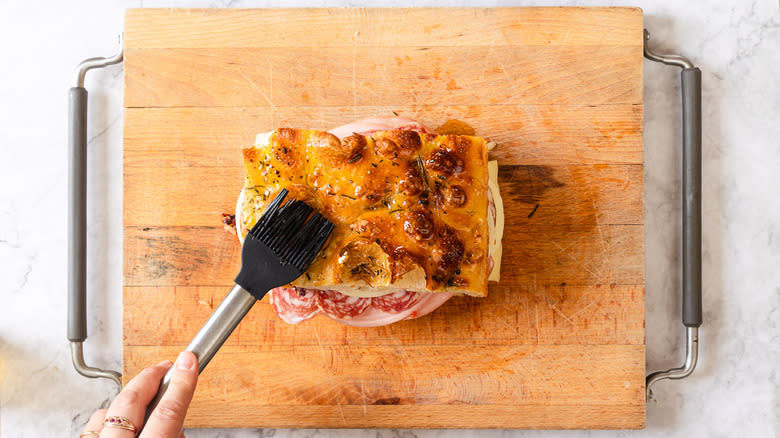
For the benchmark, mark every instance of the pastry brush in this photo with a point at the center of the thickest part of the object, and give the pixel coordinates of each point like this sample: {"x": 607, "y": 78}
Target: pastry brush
{"x": 276, "y": 251}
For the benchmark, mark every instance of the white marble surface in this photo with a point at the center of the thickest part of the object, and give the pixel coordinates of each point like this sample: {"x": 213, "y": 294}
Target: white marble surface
{"x": 735, "y": 390}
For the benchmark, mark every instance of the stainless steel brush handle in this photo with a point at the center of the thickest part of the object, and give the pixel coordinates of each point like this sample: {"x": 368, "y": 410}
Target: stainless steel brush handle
{"x": 277, "y": 250}
{"x": 213, "y": 334}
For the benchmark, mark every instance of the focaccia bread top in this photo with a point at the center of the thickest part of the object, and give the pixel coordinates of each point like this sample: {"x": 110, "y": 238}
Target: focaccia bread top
{"x": 410, "y": 209}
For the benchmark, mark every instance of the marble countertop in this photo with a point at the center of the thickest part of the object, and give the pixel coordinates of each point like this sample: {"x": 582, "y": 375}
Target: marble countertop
{"x": 734, "y": 391}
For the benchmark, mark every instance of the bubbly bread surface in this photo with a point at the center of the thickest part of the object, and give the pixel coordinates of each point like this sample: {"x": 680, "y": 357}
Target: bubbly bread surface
{"x": 410, "y": 209}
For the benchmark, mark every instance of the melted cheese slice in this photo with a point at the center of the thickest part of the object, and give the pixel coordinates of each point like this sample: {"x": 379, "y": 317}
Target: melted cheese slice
{"x": 411, "y": 210}
{"x": 496, "y": 221}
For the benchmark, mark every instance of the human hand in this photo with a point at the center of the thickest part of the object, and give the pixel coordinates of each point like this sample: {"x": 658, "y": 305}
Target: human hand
{"x": 167, "y": 418}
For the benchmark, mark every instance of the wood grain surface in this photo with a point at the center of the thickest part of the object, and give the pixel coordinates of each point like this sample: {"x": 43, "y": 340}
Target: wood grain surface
{"x": 558, "y": 343}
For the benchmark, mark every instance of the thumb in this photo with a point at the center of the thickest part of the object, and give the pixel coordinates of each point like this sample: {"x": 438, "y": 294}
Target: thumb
{"x": 167, "y": 419}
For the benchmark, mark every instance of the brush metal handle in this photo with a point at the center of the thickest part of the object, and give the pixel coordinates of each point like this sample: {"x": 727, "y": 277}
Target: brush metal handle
{"x": 213, "y": 334}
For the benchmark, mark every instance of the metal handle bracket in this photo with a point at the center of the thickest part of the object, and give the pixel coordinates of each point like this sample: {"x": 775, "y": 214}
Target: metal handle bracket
{"x": 691, "y": 213}
{"x": 77, "y": 218}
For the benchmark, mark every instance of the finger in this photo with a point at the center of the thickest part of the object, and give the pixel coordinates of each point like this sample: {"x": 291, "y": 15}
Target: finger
{"x": 131, "y": 402}
{"x": 95, "y": 423}
{"x": 168, "y": 417}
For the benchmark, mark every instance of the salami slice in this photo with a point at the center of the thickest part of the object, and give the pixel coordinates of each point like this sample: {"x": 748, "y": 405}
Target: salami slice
{"x": 373, "y": 317}
{"x": 396, "y": 302}
{"x": 294, "y": 305}
{"x": 340, "y": 306}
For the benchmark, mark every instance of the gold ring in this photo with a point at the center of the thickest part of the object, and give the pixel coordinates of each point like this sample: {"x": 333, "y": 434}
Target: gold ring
{"x": 119, "y": 423}
{"x": 89, "y": 433}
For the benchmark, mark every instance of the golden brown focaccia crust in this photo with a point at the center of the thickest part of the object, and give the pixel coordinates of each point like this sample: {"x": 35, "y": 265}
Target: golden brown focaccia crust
{"x": 410, "y": 209}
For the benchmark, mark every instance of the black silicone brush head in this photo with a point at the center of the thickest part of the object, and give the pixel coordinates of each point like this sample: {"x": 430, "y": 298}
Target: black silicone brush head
{"x": 281, "y": 245}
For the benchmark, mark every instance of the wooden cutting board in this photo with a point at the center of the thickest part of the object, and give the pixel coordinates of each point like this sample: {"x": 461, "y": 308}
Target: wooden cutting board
{"x": 559, "y": 343}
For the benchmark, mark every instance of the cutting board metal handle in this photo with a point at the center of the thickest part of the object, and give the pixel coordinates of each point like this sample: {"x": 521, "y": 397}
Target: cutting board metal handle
{"x": 77, "y": 219}
{"x": 691, "y": 213}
